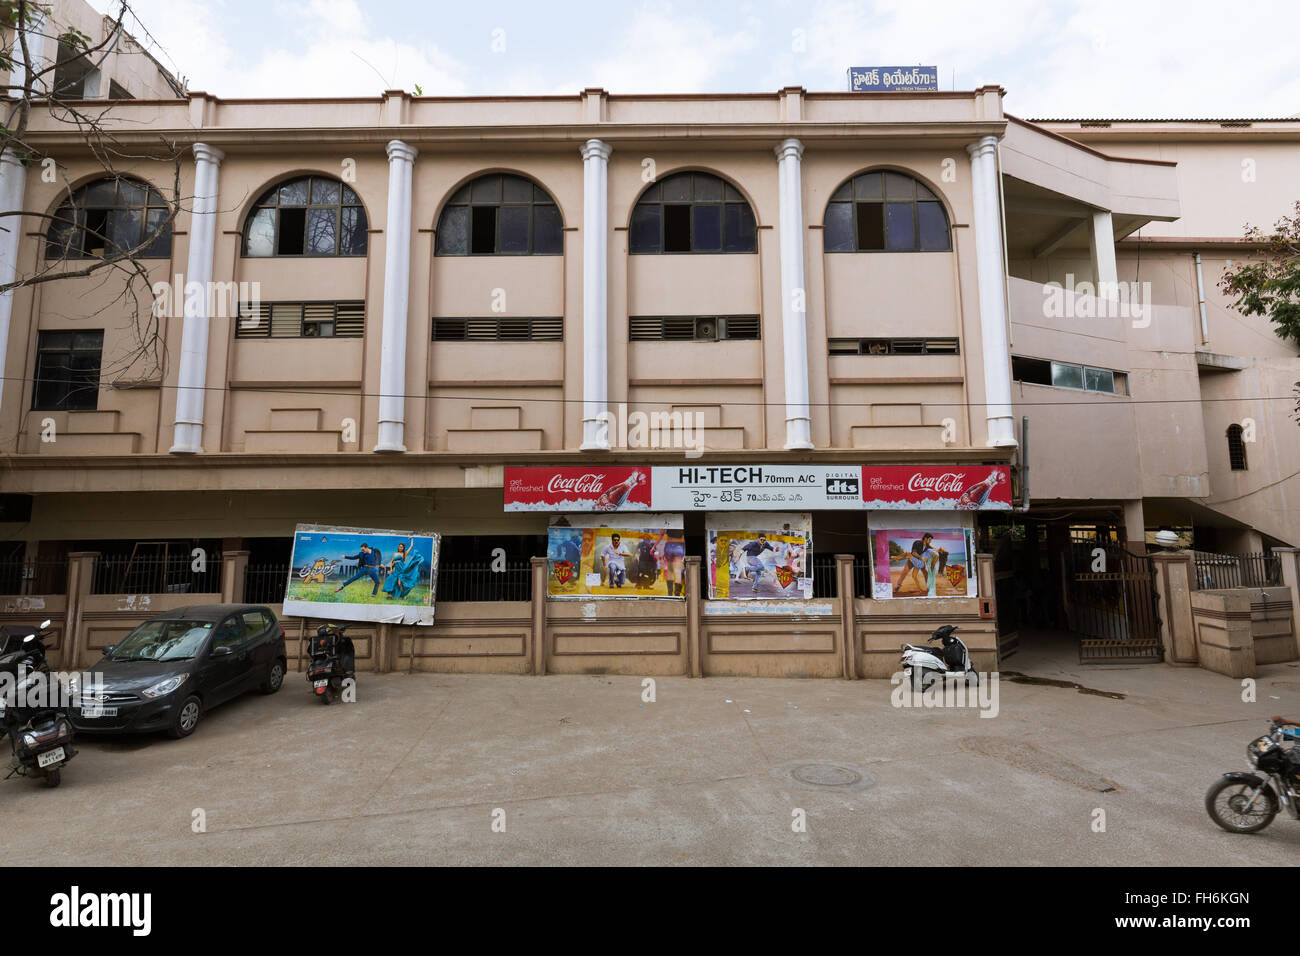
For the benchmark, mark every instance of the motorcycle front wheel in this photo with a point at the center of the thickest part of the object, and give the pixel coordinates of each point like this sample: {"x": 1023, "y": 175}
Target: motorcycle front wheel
{"x": 1226, "y": 802}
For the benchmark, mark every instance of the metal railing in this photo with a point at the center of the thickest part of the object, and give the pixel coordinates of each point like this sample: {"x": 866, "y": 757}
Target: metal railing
{"x": 862, "y": 576}
{"x": 825, "y": 577}
{"x": 1215, "y": 571}
{"x": 476, "y": 581}
{"x": 265, "y": 583}
{"x": 156, "y": 574}
{"x": 34, "y": 576}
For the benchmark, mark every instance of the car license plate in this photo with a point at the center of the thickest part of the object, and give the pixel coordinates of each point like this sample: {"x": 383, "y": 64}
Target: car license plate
{"x": 321, "y": 683}
{"x": 98, "y": 710}
{"x": 50, "y": 757}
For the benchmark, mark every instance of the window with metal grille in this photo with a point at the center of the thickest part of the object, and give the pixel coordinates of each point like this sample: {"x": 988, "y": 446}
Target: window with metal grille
{"x": 894, "y": 347}
{"x": 305, "y": 320}
{"x": 692, "y": 328}
{"x": 500, "y": 215}
{"x": 67, "y": 371}
{"x": 499, "y": 329}
{"x": 1236, "y": 449}
{"x": 692, "y": 212}
{"x": 885, "y": 211}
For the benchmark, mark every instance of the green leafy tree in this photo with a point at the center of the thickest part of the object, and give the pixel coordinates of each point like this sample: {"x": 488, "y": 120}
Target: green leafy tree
{"x": 1269, "y": 284}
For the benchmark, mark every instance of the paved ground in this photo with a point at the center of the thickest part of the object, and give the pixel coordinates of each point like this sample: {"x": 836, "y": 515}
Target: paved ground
{"x": 585, "y": 772}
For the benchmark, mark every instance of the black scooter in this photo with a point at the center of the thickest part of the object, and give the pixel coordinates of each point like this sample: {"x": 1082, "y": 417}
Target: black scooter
{"x": 40, "y": 736}
{"x": 333, "y": 660}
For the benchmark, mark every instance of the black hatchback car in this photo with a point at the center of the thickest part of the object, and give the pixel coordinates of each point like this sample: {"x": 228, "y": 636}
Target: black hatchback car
{"x": 173, "y": 668}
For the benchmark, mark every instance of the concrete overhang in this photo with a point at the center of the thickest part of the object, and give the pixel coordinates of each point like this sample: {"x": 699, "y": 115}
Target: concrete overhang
{"x": 1216, "y": 362}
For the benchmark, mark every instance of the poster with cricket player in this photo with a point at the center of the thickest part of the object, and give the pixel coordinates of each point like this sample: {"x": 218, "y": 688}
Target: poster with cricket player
{"x": 589, "y": 556}
{"x": 756, "y": 556}
{"x": 360, "y": 574}
{"x": 922, "y": 559}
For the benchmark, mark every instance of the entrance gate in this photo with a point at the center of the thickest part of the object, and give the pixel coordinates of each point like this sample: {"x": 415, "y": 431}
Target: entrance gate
{"x": 1111, "y": 603}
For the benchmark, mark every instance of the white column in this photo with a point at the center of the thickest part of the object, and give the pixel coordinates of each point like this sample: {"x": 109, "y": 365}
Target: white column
{"x": 595, "y": 268}
{"x": 992, "y": 282}
{"x": 1102, "y": 245}
{"x": 187, "y": 436}
{"x": 794, "y": 298}
{"x": 397, "y": 294}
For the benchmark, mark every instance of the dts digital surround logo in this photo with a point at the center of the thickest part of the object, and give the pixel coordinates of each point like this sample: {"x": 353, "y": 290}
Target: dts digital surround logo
{"x": 842, "y": 486}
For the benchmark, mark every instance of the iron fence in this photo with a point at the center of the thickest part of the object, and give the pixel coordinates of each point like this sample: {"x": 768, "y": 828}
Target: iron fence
{"x": 825, "y": 578}
{"x": 266, "y": 583}
{"x": 34, "y": 576}
{"x": 476, "y": 581}
{"x": 157, "y": 574}
{"x": 861, "y": 576}
{"x": 1259, "y": 570}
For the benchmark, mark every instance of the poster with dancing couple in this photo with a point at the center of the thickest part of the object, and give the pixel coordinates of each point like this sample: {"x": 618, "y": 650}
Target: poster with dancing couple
{"x": 361, "y": 574}
{"x": 922, "y": 562}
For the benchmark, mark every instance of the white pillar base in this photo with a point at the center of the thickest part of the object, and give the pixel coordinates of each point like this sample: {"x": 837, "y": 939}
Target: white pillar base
{"x": 595, "y": 435}
{"x": 188, "y": 439}
{"x": 390, "y": 437}
{"x": 1002, "y": 432}
{"x": 798, "y": 434}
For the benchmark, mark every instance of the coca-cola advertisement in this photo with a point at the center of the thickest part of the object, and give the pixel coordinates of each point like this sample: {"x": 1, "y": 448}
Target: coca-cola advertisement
{"x": 936, "y": 488}
{"x": 599, "y": 488}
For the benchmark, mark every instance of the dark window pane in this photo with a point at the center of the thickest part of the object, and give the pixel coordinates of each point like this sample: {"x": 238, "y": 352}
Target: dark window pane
{"x": 898, "y": 186}
{"x": 733, "y": 195}
{"x": 100, "y": 194}
{"x": 643, "y": 235}
{"x": 838, "y": 233}
{"x": 460, "y": 195}
{"x": 651, "y": 193}
{"x": 483, "y": 230}
{"x": 63, "y": 232}
{"x": 867, "y": 186}
{"x": 677, "y": 228}
{"x": 453, "y": 231}
{"x": 352, "y": 238}
{"x": 708, "y": 228}
{"x": 707, "y": 188}
{"x": 548, "y": 232}
{"x": 677, "y": 188}
{"x": 923, "y": 192}
{"x": 350, "y": 198}
{"x": 487, "y": 189}
{"x": 94, "y": 237}
{"x": 159, "y": 247}
{"x": 516, "y": 189}
{"x": 513, "y": 228}
{"x": 129, "y": 193}
{"x": 324, "y": 191}
{"x": 901, "y": 227}
{"x": 843, "y": 193}
{"x": 88, "y": 340}
{"x": 933, "y": 223}
{"x": 294, "y": 193}
{"x": 871, "y": 226}
{"x": 741, "y": 234}
{"x": 1067, "y": 376}
{"x": 260, "y": 238}
{"x": 56, "y": 340}
{"x": 292, "y": 232}
{"x": 322, "y": 232}
{"x": 125, "y": 229}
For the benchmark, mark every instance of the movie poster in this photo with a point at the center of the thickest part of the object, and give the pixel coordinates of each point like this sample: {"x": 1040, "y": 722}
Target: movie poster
{"x": 635, "y": 556}
{"x": 923, "y": 562}
{"x": 760, "y": 556}
{"x": 356, "y": 574}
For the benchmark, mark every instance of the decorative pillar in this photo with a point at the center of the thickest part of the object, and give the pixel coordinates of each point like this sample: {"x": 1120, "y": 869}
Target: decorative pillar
{"x": 992, "y": 283}
{"x": 397, "y": 293}
{"x": 691, "y": 580}
{"x": 537, "y": 636}
{"x": 794, "y": 298}
{"x": 595, "y": 265}
{"x": 848, "y": 615}
{"x": 187, "y": 436}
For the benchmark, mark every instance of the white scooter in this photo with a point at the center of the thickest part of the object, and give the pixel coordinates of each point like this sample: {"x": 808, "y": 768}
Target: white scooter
{"x": 953, "y": 658}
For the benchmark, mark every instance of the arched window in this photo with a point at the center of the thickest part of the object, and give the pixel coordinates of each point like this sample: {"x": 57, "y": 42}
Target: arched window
{"x": 692, "y": 212}
{"x": 307, "y": 216}
{"x": 885, "y": 212}
{"x": 500, "y": 215}
{"x": 111, "y": 217}
{"x": 1236, "y": 449}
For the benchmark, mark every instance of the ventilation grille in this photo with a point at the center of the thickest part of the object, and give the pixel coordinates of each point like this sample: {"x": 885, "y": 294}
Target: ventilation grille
{"x": 499, "y": 329}
{"x": 292, "y": 320}
{"x": 894, "y": 347}
{"x": 692, "y": 328}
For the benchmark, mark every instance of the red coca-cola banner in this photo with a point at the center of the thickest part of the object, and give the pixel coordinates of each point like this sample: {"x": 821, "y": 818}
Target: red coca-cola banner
{"x": 577, "y": 489}
{"x": 925, "y": 488}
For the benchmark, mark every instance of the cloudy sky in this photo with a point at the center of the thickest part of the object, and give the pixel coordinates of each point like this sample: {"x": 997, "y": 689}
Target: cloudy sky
{"x": 1054, "y": 57}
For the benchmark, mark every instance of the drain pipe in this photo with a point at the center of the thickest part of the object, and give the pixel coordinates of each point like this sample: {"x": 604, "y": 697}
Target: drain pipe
{"x": 1024, "y": 466}
{"x": 1200, "y": 298}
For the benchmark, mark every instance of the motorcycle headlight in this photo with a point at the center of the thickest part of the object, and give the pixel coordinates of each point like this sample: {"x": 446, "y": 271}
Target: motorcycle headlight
{"x": 165, "y": 687}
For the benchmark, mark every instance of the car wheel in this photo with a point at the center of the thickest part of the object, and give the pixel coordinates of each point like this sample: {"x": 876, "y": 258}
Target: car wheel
{"x": 187, "y": 717}
{"x": 274, "y": 677}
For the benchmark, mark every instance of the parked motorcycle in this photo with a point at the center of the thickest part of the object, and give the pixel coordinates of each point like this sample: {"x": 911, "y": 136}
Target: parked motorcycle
{"x": 39, "y": 736}
{"x": 923, "y": 664}
{"x": 1248, "y": 802}
{"x": 333, "y": 660}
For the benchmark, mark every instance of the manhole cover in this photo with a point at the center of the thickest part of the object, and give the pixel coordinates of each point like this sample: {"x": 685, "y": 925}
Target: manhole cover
{"x": 826, "y": 776}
